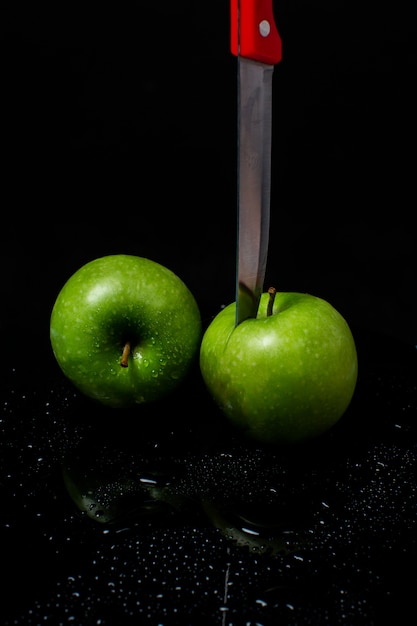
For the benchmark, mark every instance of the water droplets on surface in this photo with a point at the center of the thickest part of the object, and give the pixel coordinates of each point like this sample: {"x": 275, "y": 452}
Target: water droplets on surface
{"x": 351, "y": 521}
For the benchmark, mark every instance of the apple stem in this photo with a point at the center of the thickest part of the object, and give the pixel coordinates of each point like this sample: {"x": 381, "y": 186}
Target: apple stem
{"x": 272, "y": 291}
{"x": 125, "y": 355}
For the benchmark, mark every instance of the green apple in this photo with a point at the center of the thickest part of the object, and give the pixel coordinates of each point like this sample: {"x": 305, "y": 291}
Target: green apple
{"x": 287, "y": 375}
{"x": 125, "y": 330}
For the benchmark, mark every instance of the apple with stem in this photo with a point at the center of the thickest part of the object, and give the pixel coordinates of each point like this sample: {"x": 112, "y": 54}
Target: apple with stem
{"x": 287, "y": 375}
{"x": 125, "y": 330}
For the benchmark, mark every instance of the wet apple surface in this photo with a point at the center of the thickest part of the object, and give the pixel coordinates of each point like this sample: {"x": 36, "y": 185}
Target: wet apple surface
{"x": 287, "y": 375}
{"x": 125, "y": 330}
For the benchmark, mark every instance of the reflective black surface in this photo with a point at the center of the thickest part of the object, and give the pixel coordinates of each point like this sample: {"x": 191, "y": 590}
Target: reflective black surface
{"x": 114, "y": 140}
{"x": 169, "y": 515}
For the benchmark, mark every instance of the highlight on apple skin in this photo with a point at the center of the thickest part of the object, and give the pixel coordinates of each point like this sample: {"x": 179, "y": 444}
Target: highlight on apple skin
{"x": 125, "y": 330}
{"x": 287, "y": 375}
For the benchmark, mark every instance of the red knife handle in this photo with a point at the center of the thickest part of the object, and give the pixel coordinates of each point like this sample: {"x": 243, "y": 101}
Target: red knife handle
{"x": 259, "y": 38}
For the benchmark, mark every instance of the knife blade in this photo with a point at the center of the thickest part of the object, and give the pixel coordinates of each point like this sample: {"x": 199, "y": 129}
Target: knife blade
{"x": 257, "y": 44}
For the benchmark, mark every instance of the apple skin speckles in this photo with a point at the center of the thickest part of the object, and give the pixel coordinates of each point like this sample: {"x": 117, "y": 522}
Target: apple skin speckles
{"x": 281, "y": 378}
{"x": 120, "y": 298}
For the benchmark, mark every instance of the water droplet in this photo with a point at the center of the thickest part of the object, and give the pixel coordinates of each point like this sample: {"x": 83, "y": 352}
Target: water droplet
{"x": 148, "y": 481}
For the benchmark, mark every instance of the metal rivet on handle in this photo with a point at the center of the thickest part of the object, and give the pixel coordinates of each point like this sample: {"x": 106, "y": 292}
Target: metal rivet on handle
{"x": 264, "y": 28}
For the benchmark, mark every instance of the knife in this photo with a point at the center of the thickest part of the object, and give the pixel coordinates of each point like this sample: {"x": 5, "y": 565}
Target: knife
{"x": 257, "y": 44}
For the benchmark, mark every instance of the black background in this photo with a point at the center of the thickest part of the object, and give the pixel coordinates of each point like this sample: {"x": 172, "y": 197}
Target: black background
{"x": 118, "y": 135}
